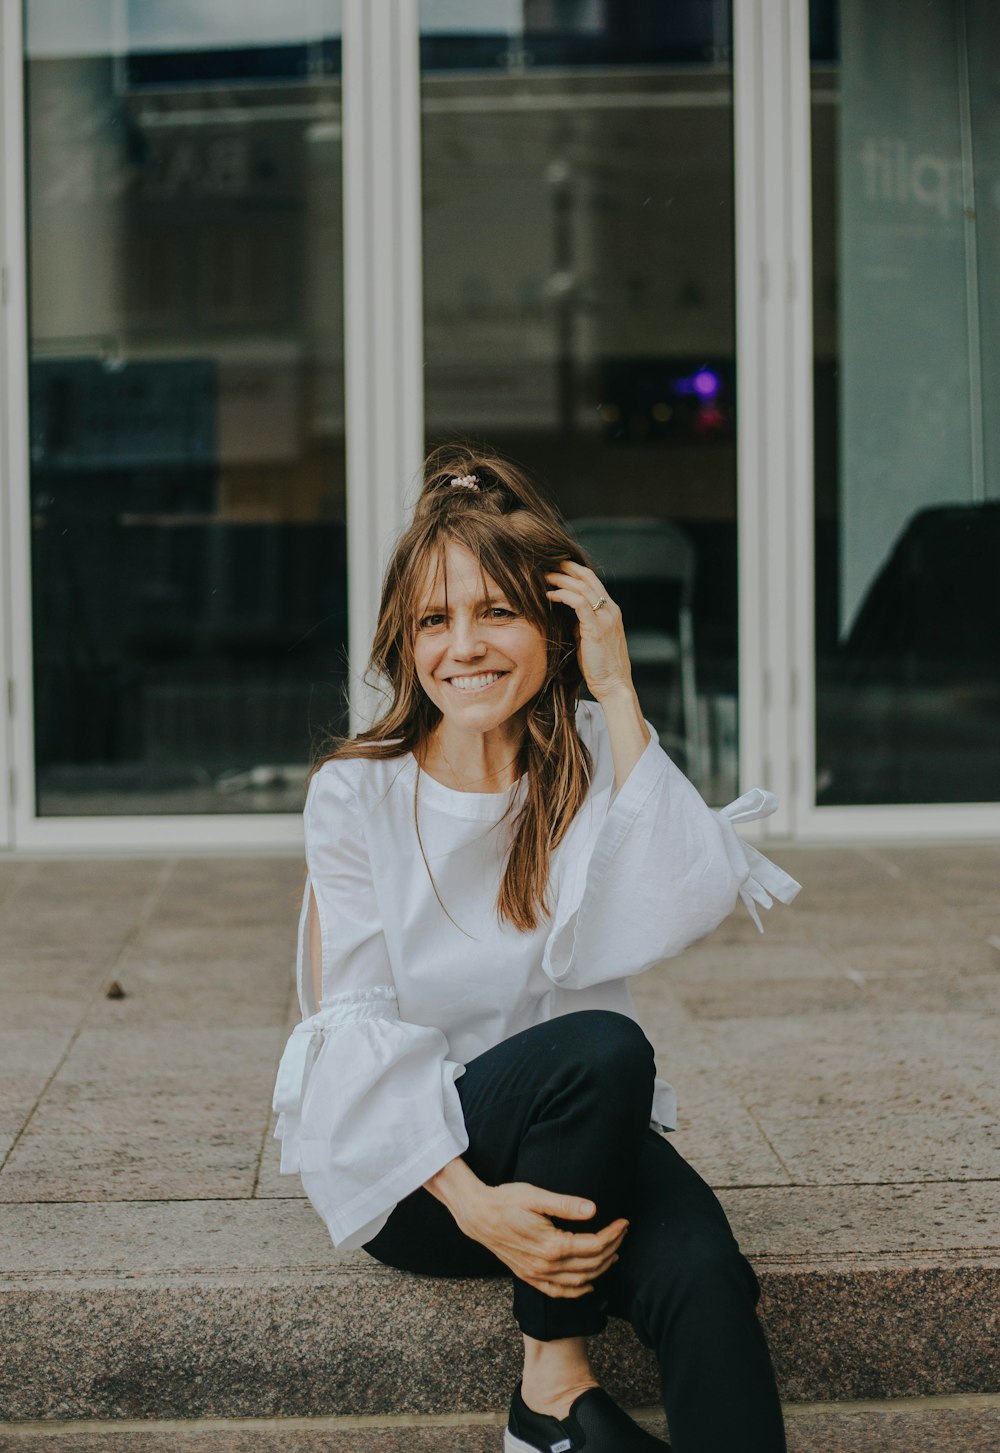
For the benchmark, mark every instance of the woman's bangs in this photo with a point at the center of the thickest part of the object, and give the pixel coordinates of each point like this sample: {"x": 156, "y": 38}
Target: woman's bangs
{"x": 427, "y": 570}
{"x": 508, "y": 566}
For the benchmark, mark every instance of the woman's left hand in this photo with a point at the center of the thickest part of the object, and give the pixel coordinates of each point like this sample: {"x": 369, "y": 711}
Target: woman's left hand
{"x": 600, "y": 635}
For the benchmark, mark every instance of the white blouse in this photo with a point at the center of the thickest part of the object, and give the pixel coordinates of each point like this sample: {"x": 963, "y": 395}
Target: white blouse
{"x": 366, "y": 1098}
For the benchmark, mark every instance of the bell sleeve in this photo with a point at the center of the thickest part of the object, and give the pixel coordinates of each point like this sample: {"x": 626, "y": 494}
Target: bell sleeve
{"x": 367, "y": 1104}
{"x": 658, "y": 871}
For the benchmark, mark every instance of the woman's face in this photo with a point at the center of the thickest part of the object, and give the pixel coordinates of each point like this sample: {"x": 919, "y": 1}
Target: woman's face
{"x": 472, "y": 637}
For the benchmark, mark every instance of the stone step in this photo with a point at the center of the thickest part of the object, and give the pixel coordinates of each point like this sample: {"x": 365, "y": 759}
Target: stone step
{"x": 935, "y": 1425}
{"x": 241, "y": 1309}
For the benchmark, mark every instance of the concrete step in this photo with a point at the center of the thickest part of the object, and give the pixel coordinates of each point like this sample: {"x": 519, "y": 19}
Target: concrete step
{"x": 942, "y": 1425}
{"x": 839, "y": 1091}
{"x": 240, "y": 1309}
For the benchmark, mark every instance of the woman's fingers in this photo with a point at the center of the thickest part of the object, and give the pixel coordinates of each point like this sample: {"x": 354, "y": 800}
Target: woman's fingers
{"x": 551, "y": 1203}
{"x": 595, "y": 1262}
{"x": 564, "y": 1262}
{"x": 582, "y": 1270}
{"x": 577, "y": 1245}
{"x": 572, "y": 1278}
{"x": 577, "y": 1275}
{"x": 526, "y": 1262}
{"x": 579, "y": 572}
{"x": 585, "y": 1267}
{"x": 553, "y": 1289}
{"x": 547, "y": 1204}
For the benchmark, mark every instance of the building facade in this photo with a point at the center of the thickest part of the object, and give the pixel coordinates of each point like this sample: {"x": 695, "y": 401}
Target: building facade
{"x": 722, "y": 276}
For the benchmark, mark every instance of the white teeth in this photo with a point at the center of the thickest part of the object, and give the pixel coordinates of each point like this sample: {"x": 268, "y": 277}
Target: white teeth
{"x": 476, "y": 683}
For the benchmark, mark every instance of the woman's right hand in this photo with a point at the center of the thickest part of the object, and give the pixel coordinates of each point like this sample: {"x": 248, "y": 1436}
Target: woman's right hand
{"x": 514, "y": 1222}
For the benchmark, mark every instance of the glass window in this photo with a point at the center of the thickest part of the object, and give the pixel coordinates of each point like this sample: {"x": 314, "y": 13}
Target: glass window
{"x": 186, "y": 401}
{"x": 579, "y": 308}
{"x": 906, "y": 160}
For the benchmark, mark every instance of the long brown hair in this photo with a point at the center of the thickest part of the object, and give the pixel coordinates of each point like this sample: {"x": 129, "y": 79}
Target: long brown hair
{"x": 516, "y": 535}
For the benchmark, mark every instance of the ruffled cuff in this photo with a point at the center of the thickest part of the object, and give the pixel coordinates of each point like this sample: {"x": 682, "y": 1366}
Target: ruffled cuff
{"x": 304, "y": 1044}
{"x": 663, "y": 1114}
{"x": 763, "y": 881}
{"x": 368, "y": 1109}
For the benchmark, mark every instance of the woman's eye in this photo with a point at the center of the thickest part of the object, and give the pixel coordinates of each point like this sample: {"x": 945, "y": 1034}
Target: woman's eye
{"x": 427, "y": 622}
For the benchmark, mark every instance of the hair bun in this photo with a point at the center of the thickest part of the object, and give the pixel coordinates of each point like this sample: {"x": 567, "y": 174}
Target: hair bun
{"x": 463, "y": 467}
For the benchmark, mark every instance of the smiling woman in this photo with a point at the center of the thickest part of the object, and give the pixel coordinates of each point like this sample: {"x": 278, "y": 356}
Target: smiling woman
{"x": 469, "y": 1092}
{"x": 466, "y": 592}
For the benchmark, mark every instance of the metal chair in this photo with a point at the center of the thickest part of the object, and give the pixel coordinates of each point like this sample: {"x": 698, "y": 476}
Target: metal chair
{"x": 633, "y": 549}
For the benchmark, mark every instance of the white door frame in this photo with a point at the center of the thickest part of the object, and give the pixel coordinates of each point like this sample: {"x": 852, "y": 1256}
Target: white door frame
{"x": 794, "y": 733}
{"x": 771, "y": 255}
{"x": 14, "y": 590}
{"x": 383, "y": 313}
{"x": 384, "y": 414}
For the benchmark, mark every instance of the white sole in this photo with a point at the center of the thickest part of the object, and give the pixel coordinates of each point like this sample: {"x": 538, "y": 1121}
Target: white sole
{"x": 516, "y": 1445}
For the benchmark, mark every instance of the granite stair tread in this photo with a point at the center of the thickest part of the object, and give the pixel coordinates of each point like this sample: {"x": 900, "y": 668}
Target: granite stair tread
{"x": 244, "y": 1309}
{"x": 969, "y": 1425}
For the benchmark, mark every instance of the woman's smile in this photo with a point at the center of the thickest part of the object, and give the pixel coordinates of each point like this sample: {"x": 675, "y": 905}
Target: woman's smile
{"x": 482, "y": 681}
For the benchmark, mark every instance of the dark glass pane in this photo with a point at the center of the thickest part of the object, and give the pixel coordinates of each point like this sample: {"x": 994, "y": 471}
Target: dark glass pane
{"x": 906, "y": 147}
{"x": 186, "y": 415}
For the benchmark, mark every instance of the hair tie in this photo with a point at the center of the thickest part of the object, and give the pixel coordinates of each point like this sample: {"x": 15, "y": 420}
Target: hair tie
{"x": 468, "y": 481}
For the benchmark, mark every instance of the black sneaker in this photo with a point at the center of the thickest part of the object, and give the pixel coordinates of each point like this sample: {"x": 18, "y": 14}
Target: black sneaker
{"x": 594, "y": 1422}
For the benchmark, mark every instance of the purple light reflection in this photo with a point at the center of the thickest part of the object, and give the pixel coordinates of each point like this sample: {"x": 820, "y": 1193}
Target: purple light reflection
{"x": 704, "y": 383}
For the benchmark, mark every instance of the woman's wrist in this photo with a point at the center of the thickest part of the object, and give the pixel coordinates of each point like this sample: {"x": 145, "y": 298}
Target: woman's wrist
{"x": 627, "y": 730}
{"x": 458, "y": 1187}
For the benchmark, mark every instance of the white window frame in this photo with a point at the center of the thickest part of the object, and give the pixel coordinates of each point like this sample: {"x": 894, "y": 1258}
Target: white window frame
{"x": 383, "y": 315}
{"x": 383, "y": 355}
{"x": 765, "y": 285}
{"x": 11, "y": 402}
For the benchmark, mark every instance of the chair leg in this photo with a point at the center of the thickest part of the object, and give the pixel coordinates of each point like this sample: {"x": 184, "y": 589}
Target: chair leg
{"x": 692, "y": 724}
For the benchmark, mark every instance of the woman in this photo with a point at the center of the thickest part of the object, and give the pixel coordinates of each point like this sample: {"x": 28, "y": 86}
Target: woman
{"x": 469, "y": 1093}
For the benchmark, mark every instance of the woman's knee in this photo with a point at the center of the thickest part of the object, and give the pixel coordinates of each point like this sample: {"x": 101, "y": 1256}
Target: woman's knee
{"x": 612, "y": 1044}
{"x": 700, "y": 1268}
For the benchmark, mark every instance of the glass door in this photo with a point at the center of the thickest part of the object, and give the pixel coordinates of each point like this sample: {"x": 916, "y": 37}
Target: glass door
{"x": 906, "y": 324}
{"x": 578, "y": 250}
{"x": 185, "y": 401}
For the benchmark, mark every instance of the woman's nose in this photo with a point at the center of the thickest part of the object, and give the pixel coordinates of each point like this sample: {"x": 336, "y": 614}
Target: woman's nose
{"x": 466, "y": 639}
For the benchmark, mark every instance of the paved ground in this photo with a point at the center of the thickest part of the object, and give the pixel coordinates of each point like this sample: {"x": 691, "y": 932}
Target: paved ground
{"x": 838, "y": 1078}
{"x": 843, "y": 1067}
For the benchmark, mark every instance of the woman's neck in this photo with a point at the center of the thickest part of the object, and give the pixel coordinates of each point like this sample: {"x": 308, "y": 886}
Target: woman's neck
{"x": 475, "y": 764}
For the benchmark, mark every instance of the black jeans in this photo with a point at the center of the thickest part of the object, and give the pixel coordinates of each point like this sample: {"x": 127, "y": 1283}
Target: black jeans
{"x": 565, "y": 1105}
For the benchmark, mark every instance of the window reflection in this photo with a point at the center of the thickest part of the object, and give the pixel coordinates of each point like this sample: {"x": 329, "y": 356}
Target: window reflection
{"x": 186, "y": 418}
{"x": 905, "y": 146}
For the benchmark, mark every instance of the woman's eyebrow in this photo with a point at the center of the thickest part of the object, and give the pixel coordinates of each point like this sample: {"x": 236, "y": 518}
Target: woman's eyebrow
{"x": 486, "y": 600}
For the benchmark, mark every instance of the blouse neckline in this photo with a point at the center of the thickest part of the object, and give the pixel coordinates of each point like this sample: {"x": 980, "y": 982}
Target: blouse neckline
{"x": 484, "y": 805}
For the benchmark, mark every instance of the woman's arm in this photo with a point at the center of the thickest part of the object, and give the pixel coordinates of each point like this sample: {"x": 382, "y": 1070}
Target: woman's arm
{"x": 627, "y": 730}
{"x": 315, "y": 948}
{"x": 514, "y": 1222}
